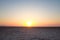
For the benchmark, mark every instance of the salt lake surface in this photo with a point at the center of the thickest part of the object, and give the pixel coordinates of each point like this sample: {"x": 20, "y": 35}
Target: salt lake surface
{"x": 25, "y": 33}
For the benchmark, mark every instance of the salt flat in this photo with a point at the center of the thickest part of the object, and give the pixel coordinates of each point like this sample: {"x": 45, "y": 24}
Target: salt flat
{"x": 25, "y": 33}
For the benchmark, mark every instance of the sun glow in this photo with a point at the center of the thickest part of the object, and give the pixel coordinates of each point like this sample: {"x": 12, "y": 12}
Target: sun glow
{"x": 29, "y": 23}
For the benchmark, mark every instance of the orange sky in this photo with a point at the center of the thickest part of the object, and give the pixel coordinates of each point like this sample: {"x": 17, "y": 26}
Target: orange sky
{"x": 23, "y": 23}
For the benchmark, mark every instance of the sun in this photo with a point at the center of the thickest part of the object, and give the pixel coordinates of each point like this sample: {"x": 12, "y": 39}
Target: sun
{"x": 29, "y": 23}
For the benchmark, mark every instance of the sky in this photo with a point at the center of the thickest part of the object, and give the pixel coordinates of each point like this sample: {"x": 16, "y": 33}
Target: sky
{"x": 39, "y": 12}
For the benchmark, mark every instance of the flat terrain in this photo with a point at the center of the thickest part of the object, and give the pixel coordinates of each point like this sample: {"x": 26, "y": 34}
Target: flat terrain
{"x": 25, "y": 33}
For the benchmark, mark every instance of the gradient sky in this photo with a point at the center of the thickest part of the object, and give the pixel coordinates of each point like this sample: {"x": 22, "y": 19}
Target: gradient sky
{"x": 41, "y": 12}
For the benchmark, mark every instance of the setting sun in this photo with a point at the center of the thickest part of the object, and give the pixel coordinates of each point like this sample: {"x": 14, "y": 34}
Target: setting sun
{"x": 29, "y": 23}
